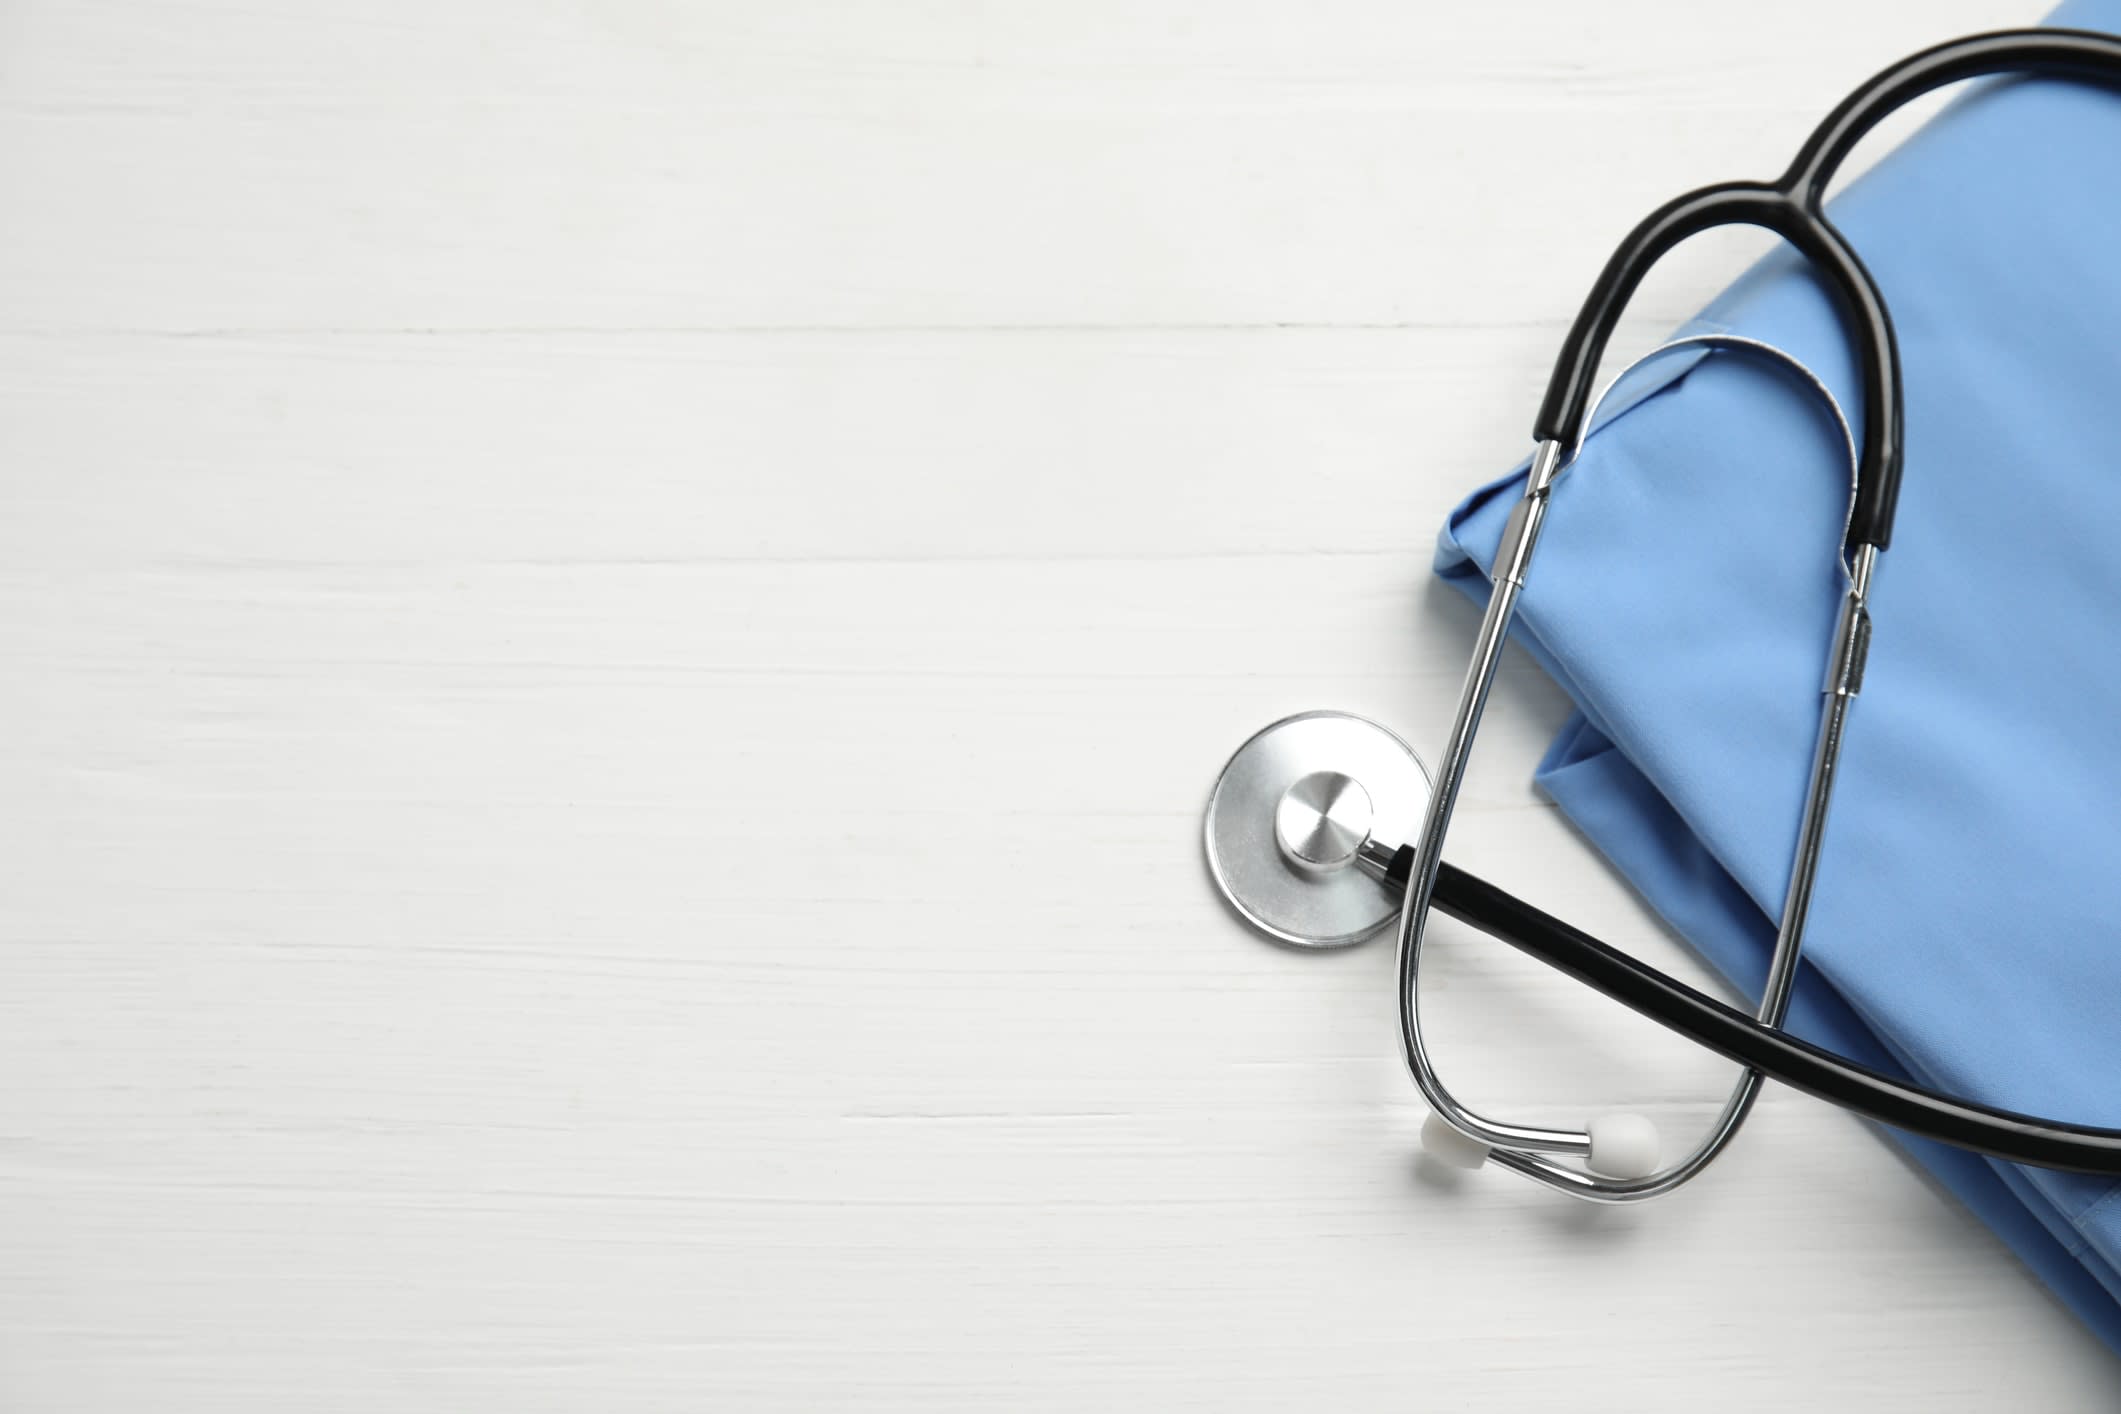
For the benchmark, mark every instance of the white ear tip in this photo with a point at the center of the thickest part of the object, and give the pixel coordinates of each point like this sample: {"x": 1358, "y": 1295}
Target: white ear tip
{"x": 1449, "y": 1146}
{"x": 1623, "y": 1146}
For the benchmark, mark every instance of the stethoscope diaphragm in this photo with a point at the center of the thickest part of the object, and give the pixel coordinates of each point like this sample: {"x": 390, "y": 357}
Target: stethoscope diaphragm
{"x": 1299, "y": 805}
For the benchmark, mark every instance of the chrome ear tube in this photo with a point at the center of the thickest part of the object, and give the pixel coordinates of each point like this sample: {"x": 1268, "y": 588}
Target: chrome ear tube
{"x": 1619, "y": 1170}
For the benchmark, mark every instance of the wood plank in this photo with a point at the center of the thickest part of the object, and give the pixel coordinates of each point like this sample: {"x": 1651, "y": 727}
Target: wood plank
{"x": 630, "y": 167}
{"x": 617, "y": 618}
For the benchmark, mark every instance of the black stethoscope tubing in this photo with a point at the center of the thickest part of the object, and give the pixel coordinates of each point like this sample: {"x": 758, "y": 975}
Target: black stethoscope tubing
{"x": 1791, "y": 207}
{"x": 1931, "y": 1114}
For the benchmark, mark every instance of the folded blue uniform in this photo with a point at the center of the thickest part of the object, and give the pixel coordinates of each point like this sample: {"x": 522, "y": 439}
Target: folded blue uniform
{"x": 1967, "y": 925}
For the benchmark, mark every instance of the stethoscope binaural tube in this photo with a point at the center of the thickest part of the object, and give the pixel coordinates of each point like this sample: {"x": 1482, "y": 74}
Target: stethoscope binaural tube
{"x": 1792, "y": 206}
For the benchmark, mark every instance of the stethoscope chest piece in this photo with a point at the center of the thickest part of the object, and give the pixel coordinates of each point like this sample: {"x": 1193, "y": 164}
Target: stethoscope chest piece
{"x": 1298, "y": 807}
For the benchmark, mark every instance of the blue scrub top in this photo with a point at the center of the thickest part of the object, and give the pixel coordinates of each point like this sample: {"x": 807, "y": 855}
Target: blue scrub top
{"x": 1966, "y": 930}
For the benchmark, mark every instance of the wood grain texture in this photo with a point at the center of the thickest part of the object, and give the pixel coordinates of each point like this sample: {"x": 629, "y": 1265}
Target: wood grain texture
{"x": 617, "y": 617}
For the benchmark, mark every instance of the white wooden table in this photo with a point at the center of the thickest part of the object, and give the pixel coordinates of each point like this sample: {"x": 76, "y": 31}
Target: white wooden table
{"x": 616, "y": 617}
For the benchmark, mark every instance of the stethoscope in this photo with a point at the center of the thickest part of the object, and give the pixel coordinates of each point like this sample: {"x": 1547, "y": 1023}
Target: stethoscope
{"x": 1324, "y": 827}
